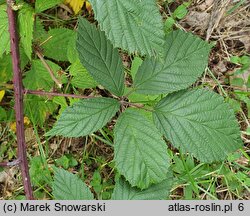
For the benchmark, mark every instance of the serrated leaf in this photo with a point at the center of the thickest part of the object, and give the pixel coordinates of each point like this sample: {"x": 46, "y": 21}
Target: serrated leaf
{"x": 3, "y": 114}
{"x": 39, "y": 32}
{"x": 38, "y": 109}
{"x": 124, "y": 191}
{"x": 63, "y": 162}
{"x": 67, "y": 186}
{"x": 85, "y": 117}
{"x": 39, "y": 78}
{"x": 26, "y": 17}
{"x": 132, "y": 25}
{"x": 72, "y": 52}
{"x": 39, "y": 173}
{"x": 140, "y": 152}
{"x": 57, "y": 43}
{"x": 184, "y": 61}
{"x": 42, "y": 5}
{"x": 100, "y": 58}
{"x": 81, "y": 77}
{"x": 136, "y": 63}
{"x": 200, "y": 122}
{"x": 4, "y": 31}
{"x": 6, "y": 66}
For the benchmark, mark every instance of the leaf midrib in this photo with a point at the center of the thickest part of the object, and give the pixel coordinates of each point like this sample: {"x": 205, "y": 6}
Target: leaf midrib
{"x": 166, "y": 68}
{"x": 100, "y": 54}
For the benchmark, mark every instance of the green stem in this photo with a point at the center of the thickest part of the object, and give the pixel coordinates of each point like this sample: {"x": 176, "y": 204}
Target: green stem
{"x": 103, "y": 140}
{"x": 216, "y": 80}
{"x": 206, "y": 192}
{"x": 190, "y": 177}
{"x": 245, "y": 154}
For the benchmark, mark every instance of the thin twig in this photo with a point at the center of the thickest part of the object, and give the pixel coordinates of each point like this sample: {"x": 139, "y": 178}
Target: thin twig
{"x": 45, "y": 41}
{"x": 54, "y": 94}
{"x": 216, "y": 16}
{"x": 11, "y": 163}
{"x": 140, "y": 106}
{"x": 18, "y": 91}
{"x": 49, "y": 69}
{"x": 216, "y": 80}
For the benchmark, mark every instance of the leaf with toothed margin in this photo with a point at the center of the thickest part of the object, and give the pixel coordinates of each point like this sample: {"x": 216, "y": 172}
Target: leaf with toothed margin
{"x": 67, "y": 186}
{"x": 26, "y": 18}
{"x": 124, "y": 191}
{"x": 57, "y": 41}
{"x": 135, "y": 26}
{"x": 85, "y": 117}
{"x": 184, "y": 61}
{"x": 42, "y": 5}
{"x": 139, "y": 150}
{"x": 200, "y": 122}
{"x": 100, "y": 58}
{"x": 4, "y": 33}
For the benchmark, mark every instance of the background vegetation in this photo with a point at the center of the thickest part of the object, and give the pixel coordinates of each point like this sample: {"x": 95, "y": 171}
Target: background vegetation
{"x": 49, "y": 29}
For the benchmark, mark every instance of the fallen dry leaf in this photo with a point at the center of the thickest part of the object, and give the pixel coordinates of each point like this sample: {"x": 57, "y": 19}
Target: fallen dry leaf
{"x": 2, "y": 93}
{"x": 198, "y": 20}
{"x": 205, "y": 5}
{"x": 246, "y": 41}
{"x": 76, "y": 5}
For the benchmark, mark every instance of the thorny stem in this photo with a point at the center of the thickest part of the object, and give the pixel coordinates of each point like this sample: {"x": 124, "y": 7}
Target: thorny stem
{"x": 18, "y": 91}
{"x": 49, "y": 69}
{"x": 53, "y": 94}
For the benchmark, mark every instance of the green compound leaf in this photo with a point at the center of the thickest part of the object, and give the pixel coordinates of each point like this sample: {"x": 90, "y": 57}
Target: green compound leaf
{"x": 140, "y": 152}
{"x": 100, "y": 58}
{"x": 124, "y": 191}
{"x": 56, "y": 45}
{"x": 42, "y": 5}
{"x": 6, "y": 71}
{"x": 39, "y": 173}
{"x": 67, "y": 186}
{"x": 4, "y": 31}
{"x": 200, "y": 122}
{"x": 5, "y": 68}
{"x": 85, "y": 117}
{"x": 39, "y": 78}
{"x": 3, "y": 114}
{"x": 26, "y": 18}
{"x": 184, "y": 61}
{"x": 40, "y": 34}
{"x": 72, "y": 53}
{"x": 136, "y": 63}
{"x": 38, "y": 109}
{"x": 132, "y": 25}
